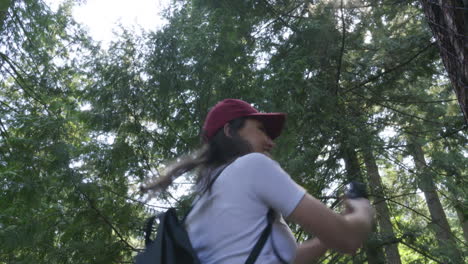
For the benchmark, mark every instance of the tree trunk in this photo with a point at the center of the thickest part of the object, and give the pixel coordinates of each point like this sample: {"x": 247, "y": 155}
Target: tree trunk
{"x": 463, "y": 221}
{"x": 461, "y": 205}
{"x": 353, "y": 171}
{"x": 383, "y": 214}
{"x": 459, "y": 201}
{"x": 352, "y": 166}
{"x": 444, "y": 235}
{"x": 448, "y": 20}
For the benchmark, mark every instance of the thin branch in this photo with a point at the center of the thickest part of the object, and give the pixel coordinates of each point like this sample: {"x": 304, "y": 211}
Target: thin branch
{"x": 349, "y": 6}
{"x": 410, "y": 115}
{"x": 387, "y": 71}
{"x": 420, "y": 252}
{"x": 134, "y": 200}
{"x": 430, "y": 221}
{"x": 272, "y": 9}
{"x": 396, "y": 196}
{"x": 22, "y": 83}
{"x": 416, "y": 102}
{"x": 104, "y": 218}
{"x": 411, "y": 209}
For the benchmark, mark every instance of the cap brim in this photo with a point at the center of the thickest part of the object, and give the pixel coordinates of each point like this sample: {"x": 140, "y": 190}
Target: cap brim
{"x": 273, "y": 122}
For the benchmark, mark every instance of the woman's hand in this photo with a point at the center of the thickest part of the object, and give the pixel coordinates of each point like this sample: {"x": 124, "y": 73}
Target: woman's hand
{"x": 359, "y": 205}
{"x": 344, "y": 233}
{"x": 360, "y": 213}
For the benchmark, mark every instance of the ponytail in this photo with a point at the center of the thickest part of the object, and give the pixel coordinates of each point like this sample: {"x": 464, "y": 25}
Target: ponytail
{"x": 219, "y": 150}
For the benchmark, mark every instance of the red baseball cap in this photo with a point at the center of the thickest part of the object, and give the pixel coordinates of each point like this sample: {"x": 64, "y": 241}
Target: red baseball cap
{"x": 230, "y": 109}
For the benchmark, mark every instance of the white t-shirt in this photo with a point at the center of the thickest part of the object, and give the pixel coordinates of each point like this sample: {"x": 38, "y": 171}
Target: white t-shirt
{"x": 227, "y": 221}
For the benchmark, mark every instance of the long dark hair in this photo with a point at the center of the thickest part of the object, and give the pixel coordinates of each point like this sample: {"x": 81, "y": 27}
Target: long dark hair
{"x": 219, "y": 150}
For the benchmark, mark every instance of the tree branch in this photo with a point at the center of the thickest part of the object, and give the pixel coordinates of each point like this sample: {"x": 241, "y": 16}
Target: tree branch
{"x": 420, "y": 252}
{"x": 376, "y": 77}
{"x": 272, "y": 9}
{"x": 104, "y": 218}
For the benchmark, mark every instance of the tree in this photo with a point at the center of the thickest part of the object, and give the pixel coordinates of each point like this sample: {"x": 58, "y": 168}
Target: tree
{"x": 81, "y": 133}
{"x": 54, "y": 211}
{"x": 444, "y": 235}
{"x": 383, "y": 213}
{"x": 448, "y": 20}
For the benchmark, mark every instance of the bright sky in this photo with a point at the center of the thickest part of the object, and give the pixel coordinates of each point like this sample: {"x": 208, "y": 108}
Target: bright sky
{"x": 101, "y": 17}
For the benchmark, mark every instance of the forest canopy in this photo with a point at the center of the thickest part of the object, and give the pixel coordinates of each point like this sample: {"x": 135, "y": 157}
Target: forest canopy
{"x": 368, "y": 99}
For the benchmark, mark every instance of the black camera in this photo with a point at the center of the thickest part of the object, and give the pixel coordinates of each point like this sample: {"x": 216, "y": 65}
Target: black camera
{"x": 356, "y": 190}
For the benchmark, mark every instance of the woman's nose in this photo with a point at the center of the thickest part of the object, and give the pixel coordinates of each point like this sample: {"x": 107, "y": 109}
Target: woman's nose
{"x": 271, "y": 144}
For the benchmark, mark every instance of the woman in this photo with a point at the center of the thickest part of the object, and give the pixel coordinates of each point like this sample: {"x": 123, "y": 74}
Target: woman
{"x": 239, "y": 183}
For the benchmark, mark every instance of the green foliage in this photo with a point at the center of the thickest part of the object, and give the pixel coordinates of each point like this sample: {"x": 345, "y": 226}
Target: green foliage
{"x": 81, "y": 127}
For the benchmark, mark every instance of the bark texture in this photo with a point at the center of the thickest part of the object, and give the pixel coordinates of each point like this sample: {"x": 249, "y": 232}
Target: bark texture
{"x": 463, "y": 221}
{"x": 448, "y": 20}
{"x": 443, "y": 232}
{"x": 353, "y": 171}
{"x": 381, "y": 207}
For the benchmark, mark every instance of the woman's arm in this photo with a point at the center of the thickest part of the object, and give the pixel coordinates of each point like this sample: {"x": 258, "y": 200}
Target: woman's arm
{"x": 344, "y": 233}
{"x": 309, "y": 251}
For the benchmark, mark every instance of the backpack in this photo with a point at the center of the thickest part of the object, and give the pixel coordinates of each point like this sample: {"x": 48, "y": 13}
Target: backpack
{"x": 172, "y": 244}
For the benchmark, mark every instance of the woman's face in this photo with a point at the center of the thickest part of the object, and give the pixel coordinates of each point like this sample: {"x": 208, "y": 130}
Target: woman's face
{"x": 254, "y": 132}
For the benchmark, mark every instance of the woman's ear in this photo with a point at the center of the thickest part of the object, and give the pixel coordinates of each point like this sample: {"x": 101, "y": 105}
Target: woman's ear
{"x": 227, "y": 130}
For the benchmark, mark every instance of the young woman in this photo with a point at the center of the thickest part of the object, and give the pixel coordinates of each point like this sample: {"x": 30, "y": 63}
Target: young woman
{"x": 230, "y": 215}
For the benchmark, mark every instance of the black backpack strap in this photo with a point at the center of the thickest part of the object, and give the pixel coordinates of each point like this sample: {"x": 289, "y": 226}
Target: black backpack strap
{"x": 265, "y": 233}
{"x": 262, "y": 240}
{"x": 209, "y": 187}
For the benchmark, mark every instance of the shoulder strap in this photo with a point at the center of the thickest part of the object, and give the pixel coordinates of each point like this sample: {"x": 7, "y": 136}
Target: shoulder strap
{"x": 262, "y": 240}
{"x": 209, "y": 187}
{"x": 265, "y": 233}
